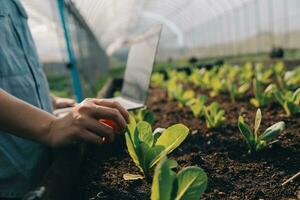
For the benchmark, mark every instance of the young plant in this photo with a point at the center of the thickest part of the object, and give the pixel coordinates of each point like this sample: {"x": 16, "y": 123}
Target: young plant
{"x": 261, "y": 97}
{"x": 289, "y": 101}
{"x": 217, "y": 86}
{"x": 185, "y": 97}
{"x": 197, "y": 105}
{"x": 189, "y": 184}
{"x": 144, "y": 114}
{"x": 255, "y": 140}
{"x": 157, "y": 79}
{"x": 278, "y": 71}
{"x": 173, "y": 88}
{"x": 214, "y": 115}
{"x": 175, "y": 91}
{"x": 236, "y": 91}
{"x": 146, "y": 148}
{"x": 263, "y": 74}
{"x": 292, "y": 78}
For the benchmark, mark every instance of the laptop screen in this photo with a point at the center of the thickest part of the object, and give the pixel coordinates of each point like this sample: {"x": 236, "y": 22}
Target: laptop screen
{"x": 140, "y": 65}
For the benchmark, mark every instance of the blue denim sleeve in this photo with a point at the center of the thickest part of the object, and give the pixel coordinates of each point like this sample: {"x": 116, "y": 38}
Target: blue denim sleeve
{"x": 22, "y": 162}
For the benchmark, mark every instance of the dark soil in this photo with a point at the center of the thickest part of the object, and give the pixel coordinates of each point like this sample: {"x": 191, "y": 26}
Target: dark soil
{"x": 232, "y": 172}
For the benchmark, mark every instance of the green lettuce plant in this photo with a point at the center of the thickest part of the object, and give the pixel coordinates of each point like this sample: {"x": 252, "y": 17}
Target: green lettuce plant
{"x": 246, "y": 73}
{"x": 157, "y": 79}
{"x": 261, "y": 97}
{"x": 185, "y": 97}
{"x": 263, "y": 74}
{"x": 236, "y": 91}
{"x": 292, "y": 78}
{"x": 176, "y": 91}
{"x": 255, "y": 140}
{"x": 289, "y": 101}
{"x": 196, "y": 78}
{"x": 173, "y": 88}
{"x": 146, "y": 147}
{"x": 214, "y": 115}
{"x": 197, "y": 105}
{"x": 144, "y": 114}
{"x": 279, "y": 71}
{"x": 189, "y": 184}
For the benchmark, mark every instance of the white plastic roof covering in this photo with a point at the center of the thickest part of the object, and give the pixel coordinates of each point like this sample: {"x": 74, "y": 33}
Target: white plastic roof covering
{"x": 111, "y": 19}
{"x": 187, "y": 23}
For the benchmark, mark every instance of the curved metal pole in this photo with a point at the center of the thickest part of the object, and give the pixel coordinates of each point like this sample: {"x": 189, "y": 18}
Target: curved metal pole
{"x": 71, "y": 57}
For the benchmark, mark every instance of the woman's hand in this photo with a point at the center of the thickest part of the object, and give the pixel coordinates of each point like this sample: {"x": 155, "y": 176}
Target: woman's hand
{"x": 86, "y": 122}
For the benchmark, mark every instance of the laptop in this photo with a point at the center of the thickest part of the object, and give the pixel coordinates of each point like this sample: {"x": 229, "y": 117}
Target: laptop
{"x": 138, "y": 70}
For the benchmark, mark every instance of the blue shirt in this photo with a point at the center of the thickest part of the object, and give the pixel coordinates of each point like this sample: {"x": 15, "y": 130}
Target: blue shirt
{"x": 22, "y": 162}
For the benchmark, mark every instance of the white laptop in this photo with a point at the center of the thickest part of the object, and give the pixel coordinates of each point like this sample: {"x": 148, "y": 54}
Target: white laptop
{"x": 139, "y": 69}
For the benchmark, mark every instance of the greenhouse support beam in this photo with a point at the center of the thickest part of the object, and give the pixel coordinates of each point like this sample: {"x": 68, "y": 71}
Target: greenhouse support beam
{"x": 71, "y": 57}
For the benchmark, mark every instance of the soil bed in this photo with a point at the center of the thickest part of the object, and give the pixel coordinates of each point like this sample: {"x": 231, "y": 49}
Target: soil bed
{"x": 233, "y": 174}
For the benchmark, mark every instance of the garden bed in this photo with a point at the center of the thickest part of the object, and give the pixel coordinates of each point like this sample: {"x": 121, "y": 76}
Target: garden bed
{"x": 222, "y": 153}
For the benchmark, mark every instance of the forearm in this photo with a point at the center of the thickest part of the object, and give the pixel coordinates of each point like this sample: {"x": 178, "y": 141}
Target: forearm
{"x": 24, "y": 120}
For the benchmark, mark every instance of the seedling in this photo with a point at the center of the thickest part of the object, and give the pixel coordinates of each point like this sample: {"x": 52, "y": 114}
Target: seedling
{"x": 263, "y": 74}
{"x": 279, "y": 71}
{"x": 261, "y": 97}
{"x": 146, "y": 148}
{"x": 175, "y": 91}
{"x": 237, "y": 91}
{"x": 289, "y": 101}
{"x": 246, "y": 73}
{"x": 217, "y": 86}
{"x": 157, "y": 79}
{"x": 144, "y": 115}
{"x": 255, "y": 140}
{"x": 197, "y": 105}
{"x": 292, "y": 78}
{"x": 214, "y": 115}
{"x": 173, "y": 88}
{"x": 196, "y": 78}
{"x": 189, "y": 184}
{"x": 185, "y": 97}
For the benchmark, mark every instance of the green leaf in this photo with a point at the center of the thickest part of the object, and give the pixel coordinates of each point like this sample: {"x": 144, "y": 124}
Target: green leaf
{"x": 132, "y": 151}
{"x": 197, "y": 105}
{"x": 172, "y": 164}
{"x": 163, "y": 180}
{"x": 147, "y": 156}
{"x": 131, "y": 126}
{"x": 170, "y": 139}
{"x": 192, "y": 182}
{"x": 149, "y": 117}
{"x": 272, "y": 132}
{"x": 279, "y": 97}
{"x": 290, "y": 108}
{"x": 296, "y": 96}
{"x": 257, "y": 123}
{"x": 245, "y": 130}
{"x": 189, "y": 94}
{"x": 145, "y": 133}
{"x": 157, "y": 133}
{"x": 208, "y": 119}
{"x": 131, "y": 177}
{"x": 243, "y": 88}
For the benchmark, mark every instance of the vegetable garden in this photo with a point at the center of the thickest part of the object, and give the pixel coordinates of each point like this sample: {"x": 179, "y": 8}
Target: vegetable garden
{"x": 228, "y": 132}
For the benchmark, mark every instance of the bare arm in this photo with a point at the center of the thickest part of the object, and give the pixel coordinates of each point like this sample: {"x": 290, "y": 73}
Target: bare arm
{"x": 23, "y": 119}
{"x": 82, "y": 123}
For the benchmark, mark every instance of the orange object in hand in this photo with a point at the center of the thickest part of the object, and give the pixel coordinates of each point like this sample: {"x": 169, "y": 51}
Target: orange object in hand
{"x": 108, "y": 122}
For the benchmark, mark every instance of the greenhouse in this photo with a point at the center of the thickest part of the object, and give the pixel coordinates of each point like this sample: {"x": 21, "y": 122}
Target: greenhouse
{"x": 157, "y": 99}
